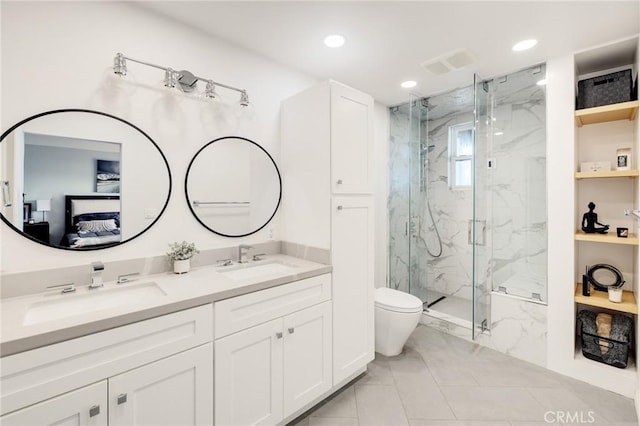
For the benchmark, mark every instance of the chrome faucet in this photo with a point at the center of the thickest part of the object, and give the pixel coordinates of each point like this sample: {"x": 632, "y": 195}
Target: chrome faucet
{"x": 96, "y": 275}
{"x": 126, "y": 278}
{"x": 242, "y": 251}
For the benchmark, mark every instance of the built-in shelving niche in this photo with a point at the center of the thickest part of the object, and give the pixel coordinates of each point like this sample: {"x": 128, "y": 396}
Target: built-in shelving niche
{"x": 600, "y": 131}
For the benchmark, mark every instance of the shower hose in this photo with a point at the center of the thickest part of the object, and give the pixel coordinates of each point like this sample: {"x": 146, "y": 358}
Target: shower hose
{"x": 435, "y": 227}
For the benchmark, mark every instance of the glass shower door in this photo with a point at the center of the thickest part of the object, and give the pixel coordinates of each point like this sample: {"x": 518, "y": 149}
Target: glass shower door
{"x": 417, "y": 199}
{"x": 399, "y": 197}
{"x": 479, "y": 233}
{"x": 407, "y": 163}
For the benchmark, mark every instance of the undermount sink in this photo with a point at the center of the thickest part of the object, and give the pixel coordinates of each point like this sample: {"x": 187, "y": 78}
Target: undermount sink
{"x": 70, "y": 305}
{"x": 249, "y": 270}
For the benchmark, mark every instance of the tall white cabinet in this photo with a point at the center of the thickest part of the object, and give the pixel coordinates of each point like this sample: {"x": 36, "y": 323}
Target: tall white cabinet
{"x": 327, "y": 168}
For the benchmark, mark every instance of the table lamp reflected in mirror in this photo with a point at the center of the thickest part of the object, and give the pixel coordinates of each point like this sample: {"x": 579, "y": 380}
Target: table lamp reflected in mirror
{"x": 43, "y": 206}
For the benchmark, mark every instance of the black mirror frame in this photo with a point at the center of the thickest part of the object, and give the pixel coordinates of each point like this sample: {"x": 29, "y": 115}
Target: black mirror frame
{"x": 106, "y": 246}
{"x": 186, "y": 192}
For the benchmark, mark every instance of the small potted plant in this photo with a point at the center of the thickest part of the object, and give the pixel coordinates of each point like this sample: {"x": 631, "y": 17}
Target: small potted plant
{"x": 181, "y": 254}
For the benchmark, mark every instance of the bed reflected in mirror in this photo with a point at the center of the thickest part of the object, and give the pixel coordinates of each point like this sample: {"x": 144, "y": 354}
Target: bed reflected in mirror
{"x": 103, "y": 179}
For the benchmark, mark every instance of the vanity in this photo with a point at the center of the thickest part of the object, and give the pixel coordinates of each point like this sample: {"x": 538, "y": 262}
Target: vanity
{"x": 142, "y": 352}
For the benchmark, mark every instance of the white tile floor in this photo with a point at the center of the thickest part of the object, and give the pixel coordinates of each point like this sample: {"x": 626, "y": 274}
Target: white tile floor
{"x": 441, "y": 380}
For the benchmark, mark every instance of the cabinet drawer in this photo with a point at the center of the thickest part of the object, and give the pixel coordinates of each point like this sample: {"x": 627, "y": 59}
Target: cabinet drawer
{"x": 42, "y": 373}
{"x": 239, "y": 313}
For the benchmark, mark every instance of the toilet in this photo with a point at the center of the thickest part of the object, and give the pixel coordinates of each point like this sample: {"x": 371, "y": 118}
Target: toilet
{"x": 396, "y": 316}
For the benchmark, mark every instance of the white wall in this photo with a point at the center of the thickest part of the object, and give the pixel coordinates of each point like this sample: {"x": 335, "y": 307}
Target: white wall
{"x": 561, "y": 223}
{"x": 59, "y": 55}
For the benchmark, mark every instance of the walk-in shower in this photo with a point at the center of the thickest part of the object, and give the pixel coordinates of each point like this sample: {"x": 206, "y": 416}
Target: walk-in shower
{"x": 467, "y": 196}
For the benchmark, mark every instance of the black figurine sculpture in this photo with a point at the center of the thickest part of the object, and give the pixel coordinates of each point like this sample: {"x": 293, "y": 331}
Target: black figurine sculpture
{"x": 590, "y": 220}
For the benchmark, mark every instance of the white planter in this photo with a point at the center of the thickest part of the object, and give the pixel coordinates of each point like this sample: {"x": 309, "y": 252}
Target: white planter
{"x": 181, "y": 266}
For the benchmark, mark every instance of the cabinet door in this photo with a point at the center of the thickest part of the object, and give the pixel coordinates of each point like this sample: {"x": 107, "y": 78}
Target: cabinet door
{"x": 351, "y": 141}
{"x": 86, "y": 406}
{"x": 307, "y": 356}
{"x": 352, "y": 260}
{"x": 248, "y": 376}
{"x": 173, "y": 391}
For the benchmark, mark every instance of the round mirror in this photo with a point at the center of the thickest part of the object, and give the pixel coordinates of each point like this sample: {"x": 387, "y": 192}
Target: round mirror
{"x": 81, "y": 180}
{"x": 233, "y": 186}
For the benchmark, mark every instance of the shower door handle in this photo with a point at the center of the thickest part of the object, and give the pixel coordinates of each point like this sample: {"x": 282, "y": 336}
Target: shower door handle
{"x": 481, "y": 237}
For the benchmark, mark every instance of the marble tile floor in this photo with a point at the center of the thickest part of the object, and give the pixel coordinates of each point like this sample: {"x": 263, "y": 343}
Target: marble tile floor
{"x": 442, "y": 380}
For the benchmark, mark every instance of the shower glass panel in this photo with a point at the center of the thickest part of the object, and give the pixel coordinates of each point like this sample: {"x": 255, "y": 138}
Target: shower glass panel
{"x": 479, "y": 227}
{"x": 398, "y": 201}
{"x": 418, "y": 281}
{"x": 404, "y": 196}
{"x": 448, "y": 129}
{"x": 516, "y": 183}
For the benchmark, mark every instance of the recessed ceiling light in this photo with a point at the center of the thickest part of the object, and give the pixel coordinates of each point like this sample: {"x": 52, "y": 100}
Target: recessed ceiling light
{"x": 408, "y": 84}
{"x": 524, "y": 45}
{"x": 334, "y": 40}
{"x": 542, "y": 82}
{"x": 499, "y": 133}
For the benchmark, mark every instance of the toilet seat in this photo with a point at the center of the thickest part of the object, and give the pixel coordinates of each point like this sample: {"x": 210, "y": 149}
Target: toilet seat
{"x": 397, "y": 301}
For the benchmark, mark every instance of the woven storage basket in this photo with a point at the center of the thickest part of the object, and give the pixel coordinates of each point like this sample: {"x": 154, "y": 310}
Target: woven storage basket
{"x": 617, "y": 348}
{"x": 605, "y": 90}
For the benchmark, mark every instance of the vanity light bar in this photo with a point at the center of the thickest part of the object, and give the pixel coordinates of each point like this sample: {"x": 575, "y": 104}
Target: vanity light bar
{"x": 183, "y": 80}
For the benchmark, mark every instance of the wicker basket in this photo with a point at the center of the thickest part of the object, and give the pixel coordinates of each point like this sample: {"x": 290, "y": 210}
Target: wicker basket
{"x": 605, "y": 90}
{"x": 617, "y": 350}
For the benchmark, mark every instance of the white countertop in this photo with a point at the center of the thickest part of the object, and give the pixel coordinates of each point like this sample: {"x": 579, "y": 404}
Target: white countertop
{"x": 171, "y": 292}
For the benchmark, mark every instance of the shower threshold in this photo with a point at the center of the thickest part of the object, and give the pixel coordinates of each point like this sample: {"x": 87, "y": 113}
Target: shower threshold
{"x": 449, "y": 308}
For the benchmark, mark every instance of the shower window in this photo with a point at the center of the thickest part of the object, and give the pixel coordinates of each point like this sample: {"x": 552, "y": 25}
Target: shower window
{"x": 460, "y": 156}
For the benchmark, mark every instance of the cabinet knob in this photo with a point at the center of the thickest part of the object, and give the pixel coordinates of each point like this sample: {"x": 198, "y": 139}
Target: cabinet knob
{"x": 291, "y": 330}
{"x": 94, "y": 411}
{"x": 122, "y": 398}
{"x": 339, "y": 182}
{"x": 279, "y": 335}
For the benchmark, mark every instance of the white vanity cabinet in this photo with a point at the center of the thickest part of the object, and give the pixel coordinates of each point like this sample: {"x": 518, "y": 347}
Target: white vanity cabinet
{"x": 84, "y": 406}
{"x": 158, "y": 371}
{"x": 327, "y": 163}
{"x": 177, "y": 390}
{"x": 272, "y": 352}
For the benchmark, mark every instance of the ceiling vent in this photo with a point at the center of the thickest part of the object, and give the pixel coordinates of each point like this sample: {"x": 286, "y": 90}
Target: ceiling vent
{"x": 448, "y": 62}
